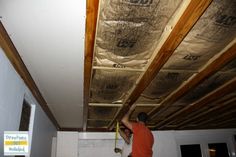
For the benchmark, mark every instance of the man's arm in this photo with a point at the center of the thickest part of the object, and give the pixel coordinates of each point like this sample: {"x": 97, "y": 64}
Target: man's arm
{"x": 125, "y": 119}
{"x": 122, "y": 134}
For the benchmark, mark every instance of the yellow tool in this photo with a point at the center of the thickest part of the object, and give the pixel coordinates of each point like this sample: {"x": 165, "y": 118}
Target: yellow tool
{"x": 116, "y": 135}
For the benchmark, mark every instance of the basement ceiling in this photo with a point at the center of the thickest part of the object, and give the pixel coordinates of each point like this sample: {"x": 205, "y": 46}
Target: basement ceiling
{"x": 173, "y": 59}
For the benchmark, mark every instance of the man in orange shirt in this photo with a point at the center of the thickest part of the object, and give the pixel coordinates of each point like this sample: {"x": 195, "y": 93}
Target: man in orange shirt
{"x": 142, "y": 137}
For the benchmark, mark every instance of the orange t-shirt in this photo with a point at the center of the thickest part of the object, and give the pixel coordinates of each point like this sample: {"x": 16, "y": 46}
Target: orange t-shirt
{"x": 142, "y": 141}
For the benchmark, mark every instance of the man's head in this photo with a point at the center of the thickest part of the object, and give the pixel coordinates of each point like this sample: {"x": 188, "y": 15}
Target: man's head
{"x": 142, "y": 117}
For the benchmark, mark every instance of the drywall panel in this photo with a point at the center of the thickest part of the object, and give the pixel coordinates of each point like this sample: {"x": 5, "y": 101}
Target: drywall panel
{"x": 68, "y": 115}
{"x": 67, "y": 144}
{"x": 166, "y": 143}
{"x": 49, "y": 36}
{"x": 11, "y": 98}
{"x": 43, "y": 133}
{"x": 98, "y": 148}
{"x": 12, "y": 93}
{"x": 98, "y": 144}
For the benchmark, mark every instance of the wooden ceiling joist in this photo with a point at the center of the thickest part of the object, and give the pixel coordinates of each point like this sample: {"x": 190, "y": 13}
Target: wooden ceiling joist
{"x": 15, "y": 59}
{"x": 213, "y": 66}
{"x": 190, "y": 16}
{"x": 120, "y": 105}
{"x": 87, "y": 130}
{"x": 223, "y": 118}
{"x": 91, "y": 22}
{"x": 211, "y": 97}
{"x": 224, "y": 106}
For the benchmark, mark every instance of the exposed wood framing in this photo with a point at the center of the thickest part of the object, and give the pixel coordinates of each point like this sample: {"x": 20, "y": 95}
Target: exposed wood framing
{"x": 142, "y": 70}
{"x": 217, "y": 107}
{"x": 213, "y": 66}
{"x": 214, "y": 95}
{"x": 15, "y": 59}
{"x": 219, "y": 120}
{"x": 187, "y": 20}
{"x": 87, "y": 130}
{"x": 227, "y": 121}
{"x": 121, "y": 69}
{"x": 120, "y": 105}
{"x": 91, "y": 22}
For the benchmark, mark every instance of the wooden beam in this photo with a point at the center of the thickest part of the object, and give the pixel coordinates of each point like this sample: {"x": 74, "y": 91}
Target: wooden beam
{"x": 121, "y": 69}
{"x": 187, "y": 20}
{"x": 222, "y": 117}
{"x": 213, "y": 109}
{"x": 87, "y": 130}
{"x": 91, "y": 22}
{"x": 212, "y": 96}
{"x": 223, "y": 58}
{"x": 120, "y": 105}
{"x": 15, "y": 59}
{"x": 142, "y": 70}
{"x": 219, "y": 115}
{"x": 226, "y": 122}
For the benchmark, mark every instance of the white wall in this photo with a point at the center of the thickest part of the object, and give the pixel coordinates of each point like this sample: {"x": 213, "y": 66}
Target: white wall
{"x": 12, "y": 93}
{"x": 98, "y": 144}
{"x": 166, "y": 142}
{"x": 67, "y": 144}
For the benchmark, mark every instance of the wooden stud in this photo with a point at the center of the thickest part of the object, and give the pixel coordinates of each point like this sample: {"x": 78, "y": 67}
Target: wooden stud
{"x": 91, "y": 22}
{"x": 87, "y": 130}
{"x": 120, "y": 105}
{"x": 190, "y": 16}
{"x": 212, "y": 96}
{"x": 15, "y": 59}
{"x": 223, "y": 118}
{"x": 212, "y": 67}
{"x": 215, "y": 108}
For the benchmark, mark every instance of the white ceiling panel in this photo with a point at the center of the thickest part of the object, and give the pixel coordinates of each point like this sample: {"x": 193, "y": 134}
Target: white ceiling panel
{"x": 68, "y": 116}
{"x": 49, "y": 36}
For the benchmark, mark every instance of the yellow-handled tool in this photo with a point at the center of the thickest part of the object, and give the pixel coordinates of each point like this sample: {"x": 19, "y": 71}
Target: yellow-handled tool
{"x": 116, "y": 135}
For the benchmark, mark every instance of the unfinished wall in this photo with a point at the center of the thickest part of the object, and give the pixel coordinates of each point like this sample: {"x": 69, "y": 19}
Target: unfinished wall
{"x": 12, "y": 92}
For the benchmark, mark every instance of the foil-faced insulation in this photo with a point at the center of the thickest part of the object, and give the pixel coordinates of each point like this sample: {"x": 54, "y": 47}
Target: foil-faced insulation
{"x": 212, "y": 32}
{"x": 129, "y": 30}
{"x": 97, "y": 113}
{"x": 209, "y": 85}
{"x": 109, "y": 86}
{"x": 164, "y": 83}
{"x": 97, "y": 124}
{"x": 147, "y": 100}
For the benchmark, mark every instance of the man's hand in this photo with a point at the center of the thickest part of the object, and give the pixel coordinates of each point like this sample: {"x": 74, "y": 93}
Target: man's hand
{"x": 117, "y": 150}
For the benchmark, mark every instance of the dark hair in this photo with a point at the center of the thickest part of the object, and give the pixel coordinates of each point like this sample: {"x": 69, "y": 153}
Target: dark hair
{"x": 142, "y": 116}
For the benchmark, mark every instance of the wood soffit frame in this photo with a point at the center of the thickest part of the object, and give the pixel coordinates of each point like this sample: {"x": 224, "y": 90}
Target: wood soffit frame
{"x": 15, "y": 59}
{"x": 91, "y": 22}
{"x": 188, "y": 19}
